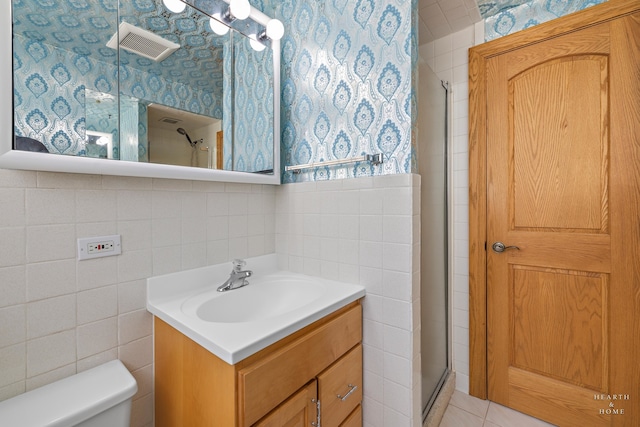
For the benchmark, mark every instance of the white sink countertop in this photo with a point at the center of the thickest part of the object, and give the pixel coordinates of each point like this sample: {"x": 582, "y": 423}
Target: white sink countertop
{"x": 241, "y": 322}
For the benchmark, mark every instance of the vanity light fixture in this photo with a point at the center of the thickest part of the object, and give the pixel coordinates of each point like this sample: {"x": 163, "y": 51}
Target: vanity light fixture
{"x": 103, "y": 141}
{"x": 217, "y": 26}
{"x": 175, "y": 6}
{"x": 256, "y": 44}
{"x": 241, "y": 9}
{"x": 274, "y": 30}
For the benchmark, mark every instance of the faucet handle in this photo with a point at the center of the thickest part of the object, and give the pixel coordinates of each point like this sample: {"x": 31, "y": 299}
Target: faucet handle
{"x": 238, "y": 264}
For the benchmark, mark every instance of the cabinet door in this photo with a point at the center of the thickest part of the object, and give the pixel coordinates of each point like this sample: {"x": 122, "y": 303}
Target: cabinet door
{"x": 297, "y": 411}
{"x": 355, "y": 419}
{"x": 340, "y": 388}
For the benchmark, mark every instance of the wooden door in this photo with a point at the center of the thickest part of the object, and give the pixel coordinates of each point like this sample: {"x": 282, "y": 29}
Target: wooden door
{"x": 297, "y": 411}
{"x": 219, "y": 150}
{"x": 563, "y": 187}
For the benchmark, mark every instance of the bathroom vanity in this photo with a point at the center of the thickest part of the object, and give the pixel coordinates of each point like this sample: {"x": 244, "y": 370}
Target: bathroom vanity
{"x": 242, "y": 358}
{"x": 279, "y": 384}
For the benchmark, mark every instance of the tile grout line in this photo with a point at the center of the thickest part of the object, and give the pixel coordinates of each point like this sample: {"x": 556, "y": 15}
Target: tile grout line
{"x": 484, "y": 419}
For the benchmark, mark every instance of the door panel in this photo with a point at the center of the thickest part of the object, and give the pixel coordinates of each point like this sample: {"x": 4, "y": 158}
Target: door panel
{"x": 559, "y": 120}
{"x": 560, "y": 164}
{"x": 571, "y": 330}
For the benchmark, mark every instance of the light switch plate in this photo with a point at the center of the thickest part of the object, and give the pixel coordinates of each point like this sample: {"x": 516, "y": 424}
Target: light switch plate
{"x": 97, "y": 247}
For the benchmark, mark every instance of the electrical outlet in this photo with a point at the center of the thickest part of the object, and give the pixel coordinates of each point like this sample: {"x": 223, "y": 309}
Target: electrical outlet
{"x": 96, "y": 247}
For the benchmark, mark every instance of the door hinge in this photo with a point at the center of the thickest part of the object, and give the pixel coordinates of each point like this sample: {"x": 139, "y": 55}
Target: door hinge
{"x": 317, "y": 422}
{"x": 485, "y": 246}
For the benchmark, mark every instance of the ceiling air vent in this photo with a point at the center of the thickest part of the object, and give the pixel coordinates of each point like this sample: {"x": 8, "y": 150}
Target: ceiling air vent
{"x": 169, "y": 120}
{"x": 142, "y": 42}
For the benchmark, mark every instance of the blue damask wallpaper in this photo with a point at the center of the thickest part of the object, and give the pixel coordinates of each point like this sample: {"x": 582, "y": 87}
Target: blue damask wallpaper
{"x": 59, "y": 52}
{"x": 493, "y": 7}
{"x": 253, "y": 108}
{"x": 348, "y": 69}
{"x": 101, "y": 116}
{"x": 509, "y": 16}
{"x": 49, "y": 93}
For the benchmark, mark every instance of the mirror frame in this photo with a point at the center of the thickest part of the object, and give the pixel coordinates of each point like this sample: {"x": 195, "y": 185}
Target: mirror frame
{"x": 27, "y": 160}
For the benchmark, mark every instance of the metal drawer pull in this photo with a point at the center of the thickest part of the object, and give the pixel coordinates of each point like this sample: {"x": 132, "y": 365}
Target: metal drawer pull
{"x": 352, "y": 387}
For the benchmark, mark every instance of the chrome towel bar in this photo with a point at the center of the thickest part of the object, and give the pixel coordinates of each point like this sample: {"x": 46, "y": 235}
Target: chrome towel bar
{"x": 375, "y": 159}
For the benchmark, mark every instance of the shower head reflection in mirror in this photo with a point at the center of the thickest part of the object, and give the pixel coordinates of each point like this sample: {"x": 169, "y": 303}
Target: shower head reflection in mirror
{"x": 184, "y": 132}
{"x": 60, "y": 124}
{"x": 193, "y": 144}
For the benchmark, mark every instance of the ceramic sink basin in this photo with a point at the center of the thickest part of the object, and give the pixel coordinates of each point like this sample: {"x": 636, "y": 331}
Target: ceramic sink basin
{"x": 261, "y": 299}
{"x": 235, "y": 324}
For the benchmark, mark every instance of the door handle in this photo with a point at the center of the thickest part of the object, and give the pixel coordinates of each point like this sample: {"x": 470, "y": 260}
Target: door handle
{"x": 499, "y": 247}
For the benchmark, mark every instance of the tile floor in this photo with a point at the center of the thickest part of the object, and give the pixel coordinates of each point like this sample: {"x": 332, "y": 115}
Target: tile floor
{"x": 469, "y": 411}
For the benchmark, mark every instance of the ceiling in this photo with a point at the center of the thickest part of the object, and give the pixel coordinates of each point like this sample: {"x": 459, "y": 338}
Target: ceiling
{"x": 439, "y": 18}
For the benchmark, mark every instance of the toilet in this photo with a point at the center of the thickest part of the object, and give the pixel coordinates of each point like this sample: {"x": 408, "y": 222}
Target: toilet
{"x": 99, "y": 397}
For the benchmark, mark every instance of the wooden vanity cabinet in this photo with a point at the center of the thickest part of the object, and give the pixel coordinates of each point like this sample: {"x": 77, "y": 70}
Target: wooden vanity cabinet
{"x": 278, "y": 386}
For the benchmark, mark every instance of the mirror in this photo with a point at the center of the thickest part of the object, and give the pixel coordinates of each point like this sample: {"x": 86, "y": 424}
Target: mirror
{"x": 135, "y": 89}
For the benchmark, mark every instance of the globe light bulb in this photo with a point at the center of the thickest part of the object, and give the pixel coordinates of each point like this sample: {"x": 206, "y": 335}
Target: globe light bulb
{"x": 275, "y": 29}
{"x": 240, "y": 9}
{"x": 256, "y": 45}
{"x": 175, "y": 6}
{"x": 218, "y": 27}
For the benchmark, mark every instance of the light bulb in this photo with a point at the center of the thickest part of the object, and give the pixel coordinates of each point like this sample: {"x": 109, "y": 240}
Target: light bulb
{"x": 102, "y": 141}
{"x": 240, "y": 9}
{"x": 175, "y": 6}
{"x": 275, "y": 29}
{"x": 256, "y": 45}
{"x": 218, "y": 27}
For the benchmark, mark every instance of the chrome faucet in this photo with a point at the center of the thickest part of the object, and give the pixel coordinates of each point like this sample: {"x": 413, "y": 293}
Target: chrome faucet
{"x": 237, "y": 278}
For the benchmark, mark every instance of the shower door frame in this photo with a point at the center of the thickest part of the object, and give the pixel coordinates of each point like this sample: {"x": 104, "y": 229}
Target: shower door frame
{"x": 426, "y": 407}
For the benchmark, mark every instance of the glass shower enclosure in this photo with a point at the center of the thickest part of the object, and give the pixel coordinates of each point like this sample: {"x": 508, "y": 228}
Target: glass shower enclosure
{"x": 433, "y": 103}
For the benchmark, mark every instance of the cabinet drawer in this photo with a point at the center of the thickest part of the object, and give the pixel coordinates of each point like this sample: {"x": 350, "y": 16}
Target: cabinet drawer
{"x": 265, "y": 384}
{"x": 340, "y": 388}
{"x": 355, "y": 419}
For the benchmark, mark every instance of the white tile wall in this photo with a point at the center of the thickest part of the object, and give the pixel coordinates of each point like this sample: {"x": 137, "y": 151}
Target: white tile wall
{"x": 364, "y": 231}
{"x": 448, "y": 57}
{"x": 59, "y": 316}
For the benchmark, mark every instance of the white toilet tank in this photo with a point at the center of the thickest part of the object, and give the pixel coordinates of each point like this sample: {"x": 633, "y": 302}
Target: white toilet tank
{"x": 99, "y": 397}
